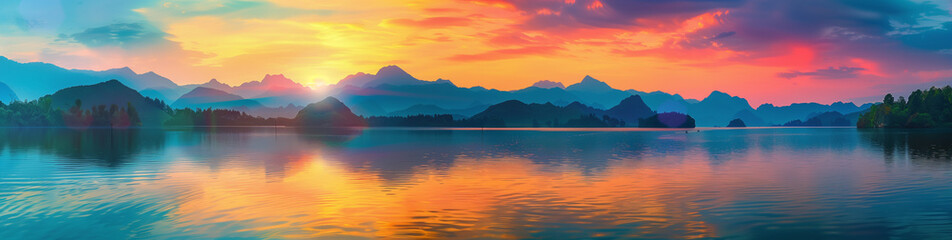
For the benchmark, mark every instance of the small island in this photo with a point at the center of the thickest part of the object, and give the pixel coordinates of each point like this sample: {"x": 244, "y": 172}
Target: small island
{"x": 668, "y": 120}
{"x": 736, "y": 123}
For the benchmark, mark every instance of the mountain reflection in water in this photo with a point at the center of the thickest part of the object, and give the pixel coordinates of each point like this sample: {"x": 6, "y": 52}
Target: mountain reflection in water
{"x": 776, "y": 183}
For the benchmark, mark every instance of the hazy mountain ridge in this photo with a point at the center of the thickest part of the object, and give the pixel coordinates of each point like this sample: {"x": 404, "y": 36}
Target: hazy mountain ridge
{"x": 35, "y": 79}
{"x": 134, "y": 80}
{"x": 392, "y": 90}
{"x": 7, "y": 95}
{"x": 826, "y": 119}
{"x": 202, "y": 97}
{"x": 548, "y": 84}
{"x": 803, "y": 111}
{"x": 392, "y": 75}
{"x": 215, "y": 84}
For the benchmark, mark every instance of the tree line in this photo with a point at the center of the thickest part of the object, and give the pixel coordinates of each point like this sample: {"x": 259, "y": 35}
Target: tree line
{"x": 41, "y": 113}
{"x": 931, "y": 108}
{"x": 220, "y": 117}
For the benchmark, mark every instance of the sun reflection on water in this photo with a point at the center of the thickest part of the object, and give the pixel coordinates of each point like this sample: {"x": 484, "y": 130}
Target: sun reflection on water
{"x": 443, "y": 184}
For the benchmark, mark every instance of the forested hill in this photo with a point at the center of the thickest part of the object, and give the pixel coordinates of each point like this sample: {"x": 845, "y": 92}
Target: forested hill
{"x": 931, "y": 108}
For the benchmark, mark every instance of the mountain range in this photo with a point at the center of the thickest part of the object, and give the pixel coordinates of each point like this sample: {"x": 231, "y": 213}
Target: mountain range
{"x": 6, "y": 94}
{"x": 394, "y": 92}
{"x": 203, "y": 97}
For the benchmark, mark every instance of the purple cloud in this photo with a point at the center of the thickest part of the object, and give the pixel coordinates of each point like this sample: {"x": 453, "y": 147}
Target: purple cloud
{"x": 827, "y": 73}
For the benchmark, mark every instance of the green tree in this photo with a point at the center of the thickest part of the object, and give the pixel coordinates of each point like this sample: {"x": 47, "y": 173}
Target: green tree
{"x": 922, "y": 109}
{"x": 134, "y": 119}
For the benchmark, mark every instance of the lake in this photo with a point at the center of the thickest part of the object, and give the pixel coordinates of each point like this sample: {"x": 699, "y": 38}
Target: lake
{"x": 252, "y": 183}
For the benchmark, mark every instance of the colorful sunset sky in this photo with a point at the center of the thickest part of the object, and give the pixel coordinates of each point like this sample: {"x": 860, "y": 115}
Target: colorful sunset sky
{"x": 778, "y": 51}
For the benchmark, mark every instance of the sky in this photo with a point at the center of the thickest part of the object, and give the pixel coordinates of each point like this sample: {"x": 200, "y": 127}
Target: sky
{"x": 777, "y": 51}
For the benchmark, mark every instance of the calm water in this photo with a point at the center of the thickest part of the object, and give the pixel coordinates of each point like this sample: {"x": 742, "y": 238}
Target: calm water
{"x": 797, "y": 183}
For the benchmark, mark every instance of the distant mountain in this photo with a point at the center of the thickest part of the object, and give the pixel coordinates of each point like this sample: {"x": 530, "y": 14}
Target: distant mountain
{"x": 824, "y": 119}
{"x": 170, "y": 95}
{"x": 155, "y": 94}
{"x": 386, "y": 98}
{"x": 215, "y": 84}
{"x": 166, "y": 94}
{"x": 854, "y": 117}
{"x": 6, "y": 94}
{"x": 382, "y": 99}
{"x": 557, "y": 96}
{"x": 153, "y": 84}
{"x": 275, "y": 90}
{"x": 329, "y": 112}
{"x": 391, "y": 75}
{"x": 548, "y": 84}
{"x": 751, "y": 119}
{"x": 108, "y": 93}
{"x": 630, "y": 110}
{"x": 356, "y": 80}
{"x": 664, "y": 102}
{"x": 736, "y": 123}
{"x": 668, "y": 120}
{"x": 34, "y": 80}
{"x": 802, "y": 111}
{"x": 514, "y": 113}
{"x": 596, "y": 93}
{"x": 393, "y": 90}
{"x": 590, "y": 84}
{"x": 202, "y": 98}
{"x": 269, "y": 84}
{"x": 133, "y": 80}
{"x": 717, "y": 108}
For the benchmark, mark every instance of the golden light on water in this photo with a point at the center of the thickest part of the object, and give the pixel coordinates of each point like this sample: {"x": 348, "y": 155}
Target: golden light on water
{"x": 258, "y": 183}
{"x": 495, "y": 198}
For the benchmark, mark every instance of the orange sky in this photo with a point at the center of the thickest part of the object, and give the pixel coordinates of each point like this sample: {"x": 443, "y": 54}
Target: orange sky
{"x": 675, "y": 46}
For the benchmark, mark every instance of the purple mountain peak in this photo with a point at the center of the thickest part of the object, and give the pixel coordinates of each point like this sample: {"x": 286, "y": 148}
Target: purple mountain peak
{"x": 548, "y": 84}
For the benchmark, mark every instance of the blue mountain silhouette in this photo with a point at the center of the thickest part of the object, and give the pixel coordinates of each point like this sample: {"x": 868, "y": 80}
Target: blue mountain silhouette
{"x": 393, "y": 90}
{"x": 6, "y": 94}
{"x": 109, "y": 93}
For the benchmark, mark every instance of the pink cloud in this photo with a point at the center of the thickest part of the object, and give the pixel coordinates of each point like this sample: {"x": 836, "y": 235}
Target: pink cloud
{"x": 505, "y": 54}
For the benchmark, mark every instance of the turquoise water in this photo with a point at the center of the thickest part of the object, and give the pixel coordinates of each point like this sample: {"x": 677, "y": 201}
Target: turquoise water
{"x": 252, "y": 183}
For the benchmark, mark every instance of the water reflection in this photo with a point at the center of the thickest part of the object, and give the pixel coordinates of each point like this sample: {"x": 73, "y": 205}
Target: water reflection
{"x": 926, "y": 147}
{"x": 104, "y": 147}
{"x": 288, "y": 183}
